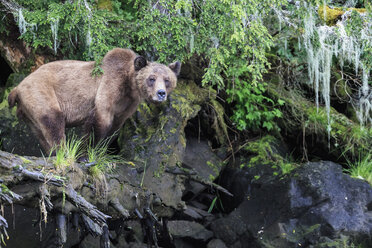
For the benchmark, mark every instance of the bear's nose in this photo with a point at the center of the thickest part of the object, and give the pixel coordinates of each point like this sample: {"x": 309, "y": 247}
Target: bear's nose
{"x": 161, "y": 94}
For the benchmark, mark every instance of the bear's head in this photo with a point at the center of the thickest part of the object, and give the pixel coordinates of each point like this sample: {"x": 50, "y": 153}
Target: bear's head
{"x": 156, "y": 81}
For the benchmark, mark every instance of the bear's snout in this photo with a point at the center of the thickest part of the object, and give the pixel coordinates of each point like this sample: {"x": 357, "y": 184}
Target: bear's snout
{"x": 161, "y": 95}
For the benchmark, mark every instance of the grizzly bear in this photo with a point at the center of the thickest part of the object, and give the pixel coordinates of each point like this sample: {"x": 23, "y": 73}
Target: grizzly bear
{"x": 65, "y": 94}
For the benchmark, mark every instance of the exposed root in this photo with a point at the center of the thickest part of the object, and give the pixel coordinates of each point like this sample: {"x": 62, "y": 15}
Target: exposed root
{"x": 192, "y": 175}
{"x": 8, "y": 196}
{"x": 105, "y": 237}
{"x": 61, "y": 231}
{"x": 85, "y": 207}
{"x": 3, "y": 227}
{"x": 119, "y": 208}
{"x": 44, "y": 203}
{"x": 92, "y": 227}
{"x": 38, "y": 176}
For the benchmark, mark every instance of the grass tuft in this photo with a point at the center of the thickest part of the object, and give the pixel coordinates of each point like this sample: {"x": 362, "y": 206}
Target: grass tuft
{"x": 104, "y": 162}
{"x": 67, "y": 153}
{"x": 361, "y": 169}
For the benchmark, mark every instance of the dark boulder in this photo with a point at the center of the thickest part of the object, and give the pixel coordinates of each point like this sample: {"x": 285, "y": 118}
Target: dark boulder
{"x": 188, "y": 229}
{"x": 314, "y": 205}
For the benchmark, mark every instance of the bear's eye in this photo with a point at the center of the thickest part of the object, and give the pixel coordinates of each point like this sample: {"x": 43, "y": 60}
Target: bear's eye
{"x": 167, "y": 83}
{"x": 150, "y": 82}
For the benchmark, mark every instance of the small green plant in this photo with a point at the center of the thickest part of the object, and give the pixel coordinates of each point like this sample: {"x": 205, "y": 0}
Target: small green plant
{"x": 103, "y": 161}
{"x": 143, "y": 175}
{"x": 212, "y": 205}
{"x": 102, "y": 158}
{"x": 67, "y": 154}
{"x": 361, "y": 169}
{"x": 286, "y": 167}
{"x": 358, "y": 140}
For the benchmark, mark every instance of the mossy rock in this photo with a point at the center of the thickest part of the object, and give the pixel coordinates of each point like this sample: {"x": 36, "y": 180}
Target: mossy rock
{"x": 331, "y": 15}
{"x": 105, "y": 4}
{"x": 302, "y": 120}
{"x": 154, "y": 138}
{"x": 266, "y": 156}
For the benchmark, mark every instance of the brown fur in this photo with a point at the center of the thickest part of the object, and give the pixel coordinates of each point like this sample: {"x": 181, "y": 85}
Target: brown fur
{"x": 64, "y": 94}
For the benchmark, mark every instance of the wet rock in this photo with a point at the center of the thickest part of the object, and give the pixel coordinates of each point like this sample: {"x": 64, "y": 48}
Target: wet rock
{"x": 196, "y": 213}
{"x": 315, "y": 202}
{"x": 305, "y": 124}
{"x": 90, "y": 242}
{"x": 261, "y": 162}
{"x": 122, "y": 243}
{"x": 137, "y": 245}
{"x": 136, "y": 228}
{"x": 180, "y": 243}
{"x": 200, "y": 158}
{"x": 188, "y": 229}
{"x": 216, "y": 243}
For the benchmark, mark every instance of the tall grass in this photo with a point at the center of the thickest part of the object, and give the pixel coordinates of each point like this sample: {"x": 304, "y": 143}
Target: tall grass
{"x": 67, "y": 154}
{"x": 102, "y": 161}
{"x": 361, "y": 169}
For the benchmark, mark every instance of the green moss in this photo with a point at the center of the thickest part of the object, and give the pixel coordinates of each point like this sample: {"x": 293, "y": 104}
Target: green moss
{"x": 331, "y": 15}
{"x": 262, "y": 148}
{"x": 187, "y": 97}
{"x": 95, "y": 171}
{"x": 262, "y": 152}
{"x": 14, "y": 79}
{"x": 4, "y": 104}
{"x": 155, "y": 134}
{"x": 105, "y": 4}
{"x": 301, "y": 116}
{"x": 342, "y": 242}
{"x": 5, "y": 189}
{"x": 25, "y": 160}
{"x": 219, "y": 124}
{"x": 182, "y": 140}
{"x": 215, "y": 167}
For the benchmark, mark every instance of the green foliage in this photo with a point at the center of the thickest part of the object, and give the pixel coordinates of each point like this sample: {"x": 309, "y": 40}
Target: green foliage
{"x": 102, "y": 161}
{"x": 355, "y": 25}
{"x": 67, "y": 154}
{"x": 237, "y": 59}
{"x": 253, "y": 109}
{"x": 231, "y": 35}
{"x": 361, "y": 169}
{"x": 100, "y": 156}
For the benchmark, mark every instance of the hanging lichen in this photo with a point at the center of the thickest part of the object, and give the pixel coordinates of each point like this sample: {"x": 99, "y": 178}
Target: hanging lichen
{"x": 323, "y": 43}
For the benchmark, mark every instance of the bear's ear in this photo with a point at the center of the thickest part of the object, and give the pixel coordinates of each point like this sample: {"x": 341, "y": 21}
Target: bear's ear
{"x": 139, "y": 63}
{"x": 175, "y": 67}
